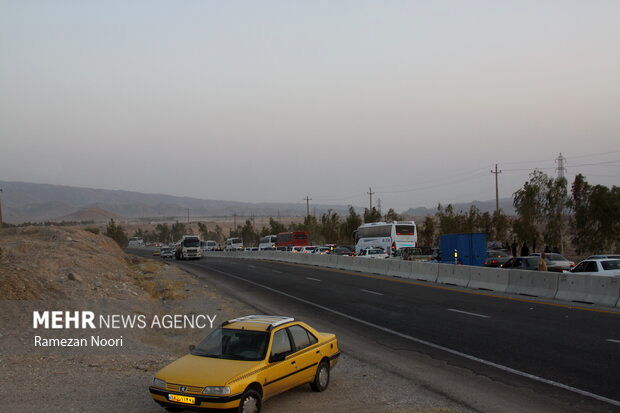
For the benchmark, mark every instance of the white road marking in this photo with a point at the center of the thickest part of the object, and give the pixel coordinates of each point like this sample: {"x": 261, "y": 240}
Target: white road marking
{"x": 277, "y": 272}
{"x": 371, "y": 292}
{"x": 251, "y": 266}
{"x": 613, "y": 341}
{"x": 468, "y": 313}
{"x": 313, "y": 279}
{"x": 430, "y": 344}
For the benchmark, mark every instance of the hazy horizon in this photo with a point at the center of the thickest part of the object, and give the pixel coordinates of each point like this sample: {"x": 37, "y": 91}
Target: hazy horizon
{"x": 273, "y": 101}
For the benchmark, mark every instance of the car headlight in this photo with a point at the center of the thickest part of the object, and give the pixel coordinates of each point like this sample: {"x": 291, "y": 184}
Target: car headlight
{"x": 159, "y": 383}
{"x": 216, "y": 390}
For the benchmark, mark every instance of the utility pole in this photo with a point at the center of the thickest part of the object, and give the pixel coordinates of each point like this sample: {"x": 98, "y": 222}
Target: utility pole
{"x": 188, "y": 216}
{"x": 0, "y": 210}
{"x": 561, "y": 169}
{"x": 235, "y": 221}
{"x": 371, "y": 194}
{"x": 308, "y": 199}
{"x": 496, "y": 173}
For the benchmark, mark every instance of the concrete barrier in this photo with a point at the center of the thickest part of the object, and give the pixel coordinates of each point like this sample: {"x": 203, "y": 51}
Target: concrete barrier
{"x": 376, "y": 265}
{"x": 346, "y": 263}
{"x": 493, "y": 279}
{"x": 400, "y": 268}
{"x": 588, "y": 289}
{"x": 424, "y": 271}
{"x": 454, "y": 274}
{"x": 532, "y": 283}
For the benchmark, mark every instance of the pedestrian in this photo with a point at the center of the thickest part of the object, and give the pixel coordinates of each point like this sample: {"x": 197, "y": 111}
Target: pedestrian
{"x": 547, "y": 249}
{"x": 542, "y": 264}
{"x": 525, "y": 251}
{"x": 513, "y": 248}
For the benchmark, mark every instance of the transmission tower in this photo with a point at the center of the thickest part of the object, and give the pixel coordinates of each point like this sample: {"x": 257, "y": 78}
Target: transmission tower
{"x": 561, "y": 169}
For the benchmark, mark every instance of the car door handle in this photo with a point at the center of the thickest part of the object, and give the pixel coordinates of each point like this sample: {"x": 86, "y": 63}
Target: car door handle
{"x": 318, "y": 352}
{"x": 293, "y": 362}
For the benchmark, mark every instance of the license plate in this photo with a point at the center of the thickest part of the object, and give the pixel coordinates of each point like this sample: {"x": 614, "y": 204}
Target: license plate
{"x": 181, "y": 399}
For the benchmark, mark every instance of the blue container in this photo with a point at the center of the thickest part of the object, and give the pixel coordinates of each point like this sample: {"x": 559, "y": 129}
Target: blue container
{"x": 471, "y": 248}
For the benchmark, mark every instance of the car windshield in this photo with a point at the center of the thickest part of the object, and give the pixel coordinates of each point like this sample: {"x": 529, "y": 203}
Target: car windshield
{"x": 230, "y": 344}
{"x": 374, "y": 252}
{"x": 191, "y": 243}
{"x": 610, "y": 265}
{"x": 211, "y": 243}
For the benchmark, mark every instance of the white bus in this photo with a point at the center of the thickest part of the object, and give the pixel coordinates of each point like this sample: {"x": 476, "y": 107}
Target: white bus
{"x": 268, "y": 241}
{"x": 391, "y": 236}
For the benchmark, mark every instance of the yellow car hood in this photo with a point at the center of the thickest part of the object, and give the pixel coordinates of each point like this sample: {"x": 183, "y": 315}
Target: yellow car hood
{"x": 201, "y": 371}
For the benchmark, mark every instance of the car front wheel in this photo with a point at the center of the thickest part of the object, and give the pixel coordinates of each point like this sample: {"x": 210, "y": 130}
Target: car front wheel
{"x": 321, "y": 378}
{"x": 250, "y": 402}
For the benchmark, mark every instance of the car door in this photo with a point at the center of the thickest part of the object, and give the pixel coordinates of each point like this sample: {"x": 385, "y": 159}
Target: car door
{"x": 305, "y": 357}
{"x": 280, "y": 374}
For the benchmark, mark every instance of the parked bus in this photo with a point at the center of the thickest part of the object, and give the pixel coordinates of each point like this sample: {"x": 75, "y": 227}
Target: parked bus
{"x": 268, "y": 241}
{"x": 290, "y": 239}
{"x": 391, "y": 236}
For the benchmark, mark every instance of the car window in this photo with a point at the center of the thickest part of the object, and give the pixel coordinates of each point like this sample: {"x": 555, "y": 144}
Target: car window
{"x": 580, "y": 267}
{"x": 532, "y": 262}
{"x": 611, "y": 265}
{"x": 281, "y": 343}
{"x": 591, "y": 266}
{"x": 300, "y": 337}
{"x": 555, "y": 257}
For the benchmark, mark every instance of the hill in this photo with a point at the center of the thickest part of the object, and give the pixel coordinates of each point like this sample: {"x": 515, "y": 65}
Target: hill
{"x": 505, "y": 205}
{"x": 91, "y": 214}
{"x": 24, "y": 201}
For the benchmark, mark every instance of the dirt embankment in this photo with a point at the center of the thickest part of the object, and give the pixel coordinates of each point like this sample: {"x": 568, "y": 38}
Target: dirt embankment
{"x": 40, "y": 263}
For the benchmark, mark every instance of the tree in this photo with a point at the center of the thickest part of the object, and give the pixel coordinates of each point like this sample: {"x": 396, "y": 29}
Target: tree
{"x": 349, "y": 225}
{"x": 428, "y": 232}
{"x": 276, "y": 227}
{"x": 248, "y": 234}
{"x": 556, "y": 202}
{"x": 329, "y": 227}
{"x": 163, "y": 233}
{"x": 117, "y": 233}
{"x": 204, "y": 231}
{"x": 391, "y": 215}
{"x": 371, "y": 215}
{"x": 178, "y": 230}
{"x": 500, "y": 223}
{"x": 529, "y": 203}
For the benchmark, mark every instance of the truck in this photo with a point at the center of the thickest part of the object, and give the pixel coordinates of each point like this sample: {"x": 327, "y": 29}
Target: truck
{"x": 188, "y": 248}
{"x": 466, "y": 249}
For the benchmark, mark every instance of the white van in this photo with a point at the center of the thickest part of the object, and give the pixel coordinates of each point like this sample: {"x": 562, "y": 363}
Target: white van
{"x": 233, "y": 244}
{"x": 268, "y": 241}
{"x": 208, "y": 246}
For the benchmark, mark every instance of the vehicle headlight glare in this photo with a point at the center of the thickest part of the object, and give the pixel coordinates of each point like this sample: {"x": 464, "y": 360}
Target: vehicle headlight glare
{"x": 216, "y": 390}
{"x": 159, "y": 383}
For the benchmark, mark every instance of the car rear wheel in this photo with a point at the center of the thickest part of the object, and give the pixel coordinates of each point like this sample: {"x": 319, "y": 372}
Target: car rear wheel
{"x": 250, "y": 402}
{"x": 321, "y": 378}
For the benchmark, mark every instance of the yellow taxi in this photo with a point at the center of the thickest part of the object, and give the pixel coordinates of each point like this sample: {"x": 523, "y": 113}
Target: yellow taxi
{"x": 246, "y": 361}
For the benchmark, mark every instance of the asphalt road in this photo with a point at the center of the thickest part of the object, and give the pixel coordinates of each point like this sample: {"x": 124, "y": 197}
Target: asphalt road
{"x": 505, "y": 340}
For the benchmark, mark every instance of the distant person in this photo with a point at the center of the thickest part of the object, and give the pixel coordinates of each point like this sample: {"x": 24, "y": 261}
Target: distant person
{"x": 556, "y": 250}
{"x": 513, "y": 248}
{"x": 525, "y": 250}
{"x": 547, "y": 249}
{"x": 542, "y": 264}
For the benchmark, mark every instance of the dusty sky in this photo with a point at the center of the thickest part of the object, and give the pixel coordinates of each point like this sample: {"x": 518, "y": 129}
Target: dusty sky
{"x": 270, "y": 101}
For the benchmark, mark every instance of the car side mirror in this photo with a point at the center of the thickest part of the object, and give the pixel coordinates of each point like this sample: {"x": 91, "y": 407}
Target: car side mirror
{"x": 277, "y": 357}
{"x": 191, "y": 347}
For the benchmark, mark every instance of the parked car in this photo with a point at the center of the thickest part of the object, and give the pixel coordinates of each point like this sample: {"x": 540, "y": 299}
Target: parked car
{"x": 556, "y": 262}
{"x": 344, "y": 251}
{"x": 598, "y": 267}
{"x": 603, "y": 256}
{"x": 522, "y": 263}
{"x": 372, "y": 253}
{"x": 245, "y": 361}
{"x": 495, "y": 258}
{"x": 322, "y": 250}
